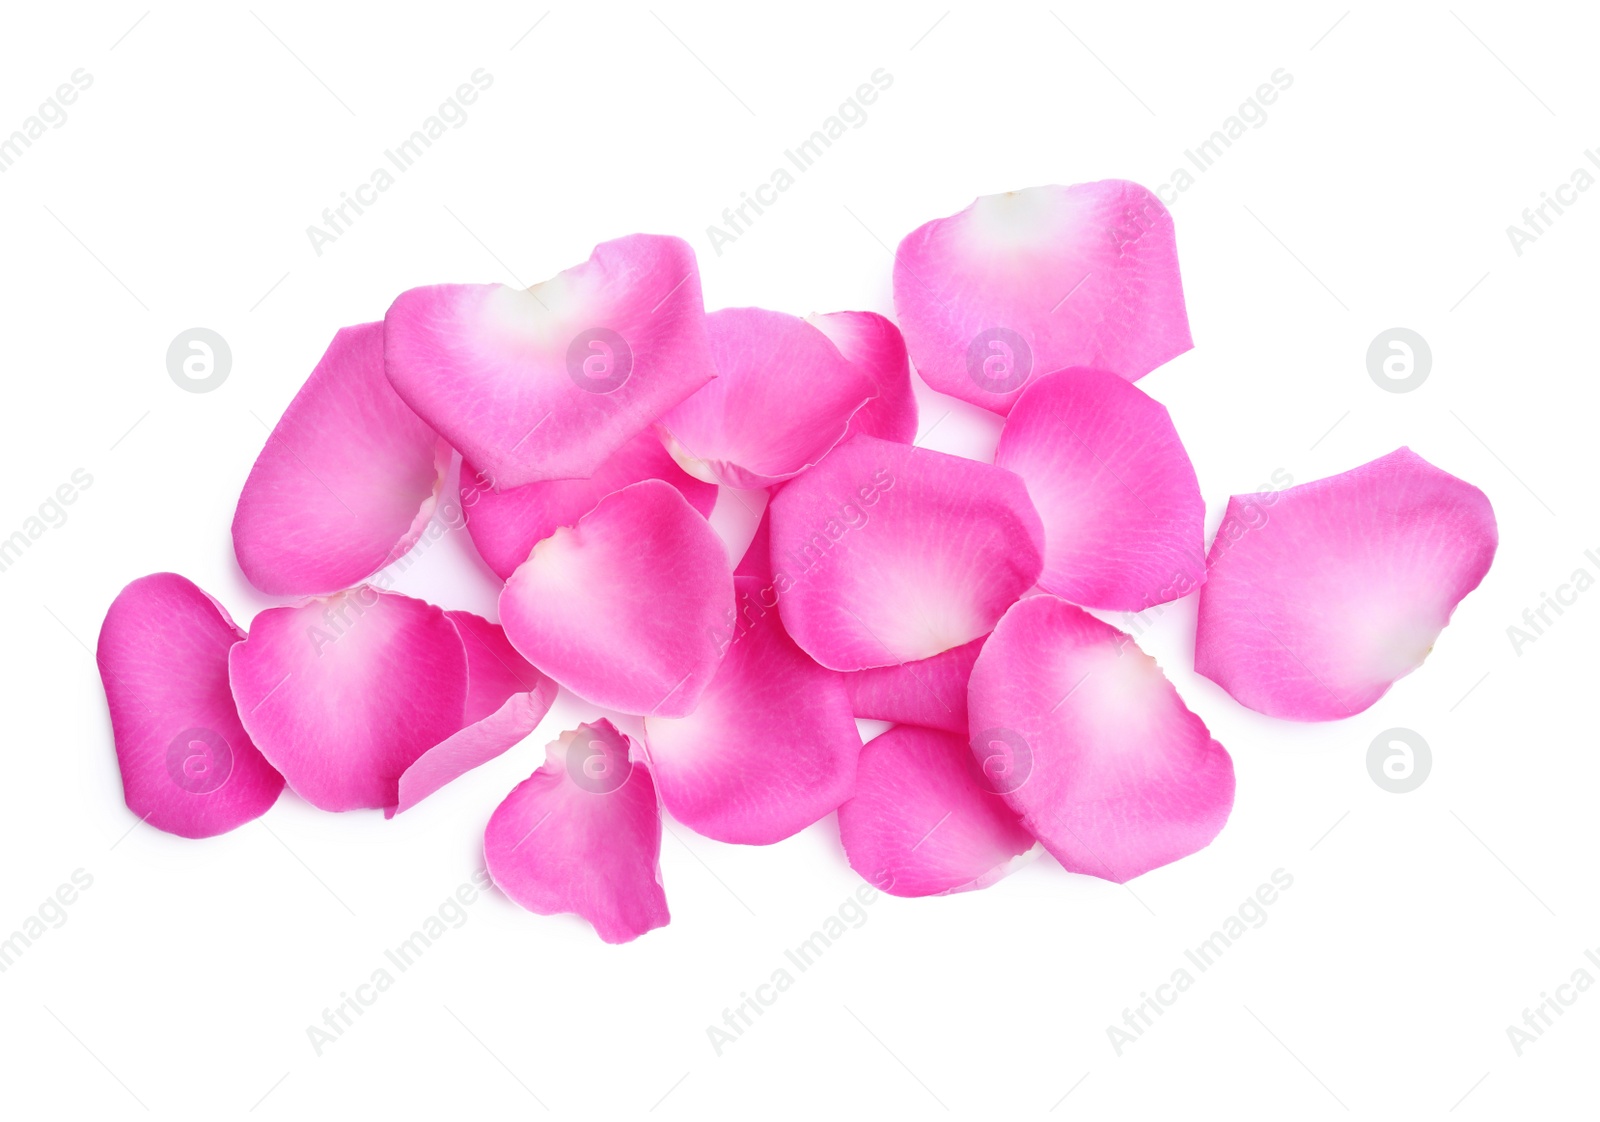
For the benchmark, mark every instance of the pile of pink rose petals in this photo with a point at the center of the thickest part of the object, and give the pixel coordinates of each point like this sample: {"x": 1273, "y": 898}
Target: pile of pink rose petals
{"x": 597, "y": 413}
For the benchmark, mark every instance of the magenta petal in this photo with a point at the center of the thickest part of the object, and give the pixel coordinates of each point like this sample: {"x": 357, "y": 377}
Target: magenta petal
{"x": 1320, "y": 597}
{"x": 505, "y": 525}
{"x": 550, "y": 382}
{"x": 1086, "y": 739}
{"x": 506, "y": 700}
{"x": 583, "y": 835}
{"x": 757, "y": 559}
{"x": 343, "y": 694}
{"x": 783, "y": 397}
{"x": 922, "y": 822}
{"x": 346, "y": 482}
{"x": 931, "y": 692}
{"x": 188, "y": 767}
{"x": 1024, "y": 283}
{"x": 629, "y": 608}
{"x": 495, "y": 671}
{"x": 874, "y": 345}
{"x": 772, "y": 746}
{"x": 1124, "y": 524}
{"x": 886, "y": 553}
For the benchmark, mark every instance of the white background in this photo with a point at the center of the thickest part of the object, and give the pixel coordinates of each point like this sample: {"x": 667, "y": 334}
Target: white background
{"x": 1377, "y": 194}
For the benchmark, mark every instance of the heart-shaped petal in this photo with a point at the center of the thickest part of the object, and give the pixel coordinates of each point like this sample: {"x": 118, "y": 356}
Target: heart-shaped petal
{"x": 628, "y": 608}
{"x": 550, "y": 382}
{"x": 583, "y": 835}
{"x": 343, "y": 694}
{"x": 886, "y": 553}
{"x": 1025, "y": 283}
{"x": 1320, "y": 597}
{"x": 371, "y": 699}
{"x": 1085, "y": 738}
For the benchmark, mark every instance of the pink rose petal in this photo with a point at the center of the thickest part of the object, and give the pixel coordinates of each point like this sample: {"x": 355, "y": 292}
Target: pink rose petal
{"x": 886, "y": 553}
{"x": 783, "y": 397}
{"x": 551, "y": 382}
{"x": 772, "y": 746}
{"x": 757, "y": 558}
{"x": 1321, "y": 596}
{"x": 1124, "y": 524}
{"x": 1085, "y": 738}
{"x": 505, "y": 525}
{"x": 627, "y": 609}
{"x": 931, "y": 692}
{"x": 874, "y": 346}
{"x": 343, "y": 694}
{"x": 922, "y": 822}
{"x": 583, "y": 835}
{"x": 346, "y": 481}
{"x": 506, "y": 700}
{"x": 1028, "y": 282}
{"x": 188, "y": 767}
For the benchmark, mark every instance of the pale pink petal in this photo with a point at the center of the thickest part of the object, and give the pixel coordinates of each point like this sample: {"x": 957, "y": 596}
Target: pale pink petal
{"x": 583, "y": 835}
{"x": 551, "y": 382}
{"x": 1124, "y": 524}
{"x": 922, "y": 822}
{"x": 188, "y": 767}
{"x": 783, "y": 397}
{"x": 887, "y": 553}
{"x": 931, "y": 692}
{"x": 772, "y": 746}
{"x": 1085, "y": 738}
{"x": 505, "y": 525}
{"x": 346, "y": 481}
{"x": 506, "y": 700}
{"x": 874, "y": 346}
{"x": 1025, "y": 283}
{"x": 344, "y": 693}
{"x": 1320, "y": 597}
{"x": 628, "y": 609}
